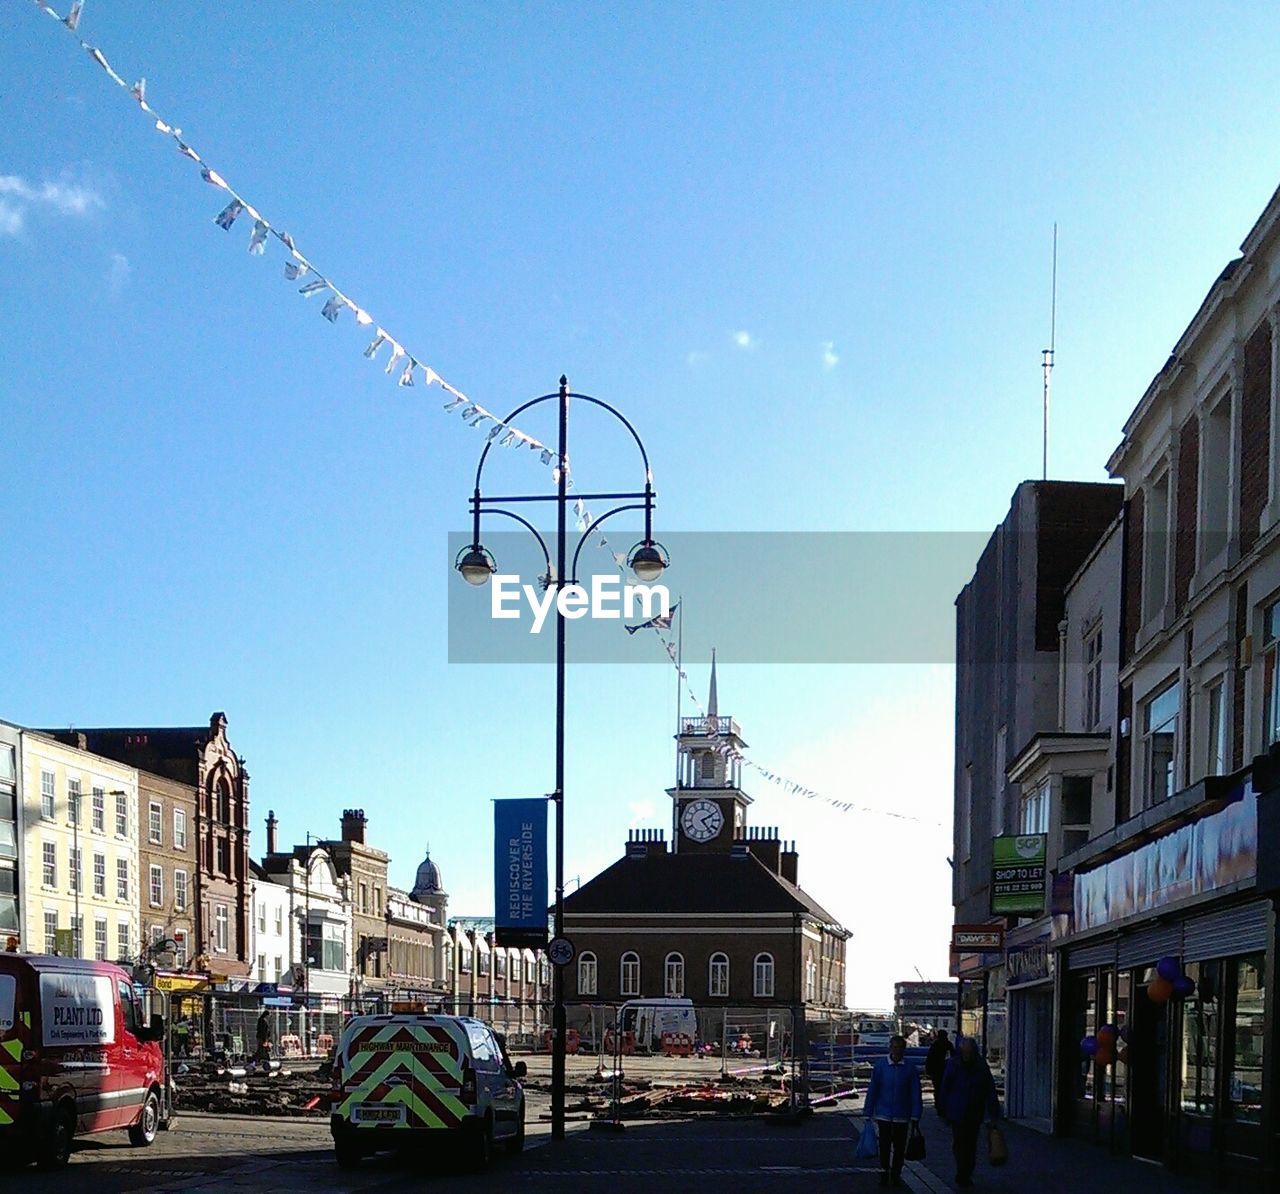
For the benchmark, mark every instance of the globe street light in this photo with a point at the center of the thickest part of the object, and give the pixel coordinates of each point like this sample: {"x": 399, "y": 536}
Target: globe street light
{"x": 648, "y": 560}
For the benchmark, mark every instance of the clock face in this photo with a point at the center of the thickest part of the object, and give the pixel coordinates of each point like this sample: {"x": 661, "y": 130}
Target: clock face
{"x": 701, "y": 820}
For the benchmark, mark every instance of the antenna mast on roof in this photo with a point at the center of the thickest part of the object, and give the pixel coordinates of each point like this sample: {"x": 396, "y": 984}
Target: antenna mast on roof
{"x": 1046, "y": 355}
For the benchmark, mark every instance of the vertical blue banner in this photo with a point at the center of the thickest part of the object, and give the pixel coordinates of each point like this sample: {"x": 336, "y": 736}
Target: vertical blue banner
{"x": 520, "y": 872}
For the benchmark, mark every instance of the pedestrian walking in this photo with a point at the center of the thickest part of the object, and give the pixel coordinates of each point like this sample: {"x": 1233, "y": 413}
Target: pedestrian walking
{"x": 895, "y": 1103}
{"x": 264, "y": 1037}
{"x": 967, "y": 1097}
{"x": 935, "y": 1062}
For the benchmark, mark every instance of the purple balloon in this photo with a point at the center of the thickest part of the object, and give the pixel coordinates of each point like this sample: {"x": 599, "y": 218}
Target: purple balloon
{"x": 1183, "y": 987}
{"x": 1124, "y": 1034}
{"x": 1169, "y": 969}
{"x": 1089, "y": 1046}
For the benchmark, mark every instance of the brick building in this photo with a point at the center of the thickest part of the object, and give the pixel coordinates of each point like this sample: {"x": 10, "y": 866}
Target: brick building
{"x": 719, "y": 916}
{"x": 366, "y": 868}
{"x": 204, "y": 803}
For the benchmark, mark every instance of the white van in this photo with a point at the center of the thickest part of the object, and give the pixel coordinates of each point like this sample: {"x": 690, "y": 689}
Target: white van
{"x": 405, "y": 1080}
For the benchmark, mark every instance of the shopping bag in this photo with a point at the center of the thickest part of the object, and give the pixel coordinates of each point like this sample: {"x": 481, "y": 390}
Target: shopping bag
{"x": 997, "y": 1147}
{"x": 868, "y": 1142}
{"x": 915, "y": 1146}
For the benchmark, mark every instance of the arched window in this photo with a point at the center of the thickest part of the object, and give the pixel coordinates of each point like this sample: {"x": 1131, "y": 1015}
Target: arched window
{"x": 630, "y": 977}
{"x": 224, "y": 802}
{"x": 673, "y": 983}
{"x": 763, "y": 985}
{"x": 587, "y": 974}
{"x": 718, "y": 980}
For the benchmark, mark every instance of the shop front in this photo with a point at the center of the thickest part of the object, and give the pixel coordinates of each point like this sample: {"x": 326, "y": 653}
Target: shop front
{"x": 1028, "y": 984}
{"x": 1184, "y": 1082}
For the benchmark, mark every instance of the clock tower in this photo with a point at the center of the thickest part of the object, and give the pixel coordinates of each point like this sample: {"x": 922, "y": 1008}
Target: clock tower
{"x": 710, "y": 807}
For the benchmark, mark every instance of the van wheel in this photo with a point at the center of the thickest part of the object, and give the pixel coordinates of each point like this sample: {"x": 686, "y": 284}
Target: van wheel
{"x": 347, "y": 1153}
{"x": 516, "y": 1143}
{"x": 482, "y": 1152}
{"x": 54, "y": 1151}
{"x": 144, "y": 1131}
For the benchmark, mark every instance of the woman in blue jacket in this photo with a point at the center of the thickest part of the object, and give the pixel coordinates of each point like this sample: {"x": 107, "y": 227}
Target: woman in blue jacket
{"x": 966, "y": 1097}
{"x": 894, "y": 1102}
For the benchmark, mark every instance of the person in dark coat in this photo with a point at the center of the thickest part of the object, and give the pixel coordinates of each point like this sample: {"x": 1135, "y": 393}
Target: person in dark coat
{"x": 894, "y": 1102}
{"x": 264, "y": 1037}
{"x": 966, "y": 1097}
{"x": 935, "y": 1062}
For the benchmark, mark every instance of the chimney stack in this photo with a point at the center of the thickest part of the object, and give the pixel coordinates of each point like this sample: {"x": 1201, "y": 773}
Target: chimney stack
{"x": 272, "y": 825}
{"x": 790, "y": 864}
{"x": 353, "y": 825}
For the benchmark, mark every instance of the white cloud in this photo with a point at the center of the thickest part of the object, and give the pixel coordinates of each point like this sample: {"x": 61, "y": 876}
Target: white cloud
{"x": 10, "y": 219}
{"x": 697, "y": 357}
{"x": 744, "y": 340}
{"x": 829, "y": 358}
{"x": 68, "y": 199}
{"x": 118, "y": 275}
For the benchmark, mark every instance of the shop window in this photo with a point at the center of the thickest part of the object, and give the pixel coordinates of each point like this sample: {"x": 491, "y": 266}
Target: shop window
{"x": 1200, "y": 1040}
{"x": 1246, "y": 1040}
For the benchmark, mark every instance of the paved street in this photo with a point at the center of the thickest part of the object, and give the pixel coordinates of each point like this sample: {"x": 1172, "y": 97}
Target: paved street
{"x": 746, "y": 1156}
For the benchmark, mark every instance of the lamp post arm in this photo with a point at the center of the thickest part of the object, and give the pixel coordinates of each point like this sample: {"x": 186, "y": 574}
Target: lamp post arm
{"x": 524, "y": 522}
{"x": 573, "y": 571}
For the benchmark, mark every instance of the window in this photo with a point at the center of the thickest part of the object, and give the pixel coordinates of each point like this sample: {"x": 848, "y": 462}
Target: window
{"x": 157, "y": 886}
{"x": 1093, "y": 676}
{"x": 179, "y": 829}
{"x": 155, "y": 824}
{"x": 1034, "y": 812}
{"x": 224, "y": 856}
{"x": 122, "y": 814}
{"x": 763, "y": 984}
{"x": 49, "y": 865}
{"x": 122, "y": 879}
{"x": 810, "y": 978}
{"x": 1077, "y": 811}
{"x": 447, "y": 957}
{"x": 262, "y": 918}
{"x": 1216, "y": 744}
{"x": 1246, "y": 1039}
{"x": 279, "y": 921}
{"x": 377, "y": 900}
{"x": 77, "y": 935}
{"x": 100, "y": 876}
{"x": 587, "y": 975}
{"x": 122, "y": 940}
{"x": 1200, "y": 1039}
{"x": 1271, "y": 674}
{"x": 278, "y": 967}
{"x": 100, "y": 939}
{"x": 221, "y": 928}
{"x": 129, "y": 1008}
{"x": 482, "y": 962}
{"x": 718, "y": 981}
{"x": 180, "y": 948}
{"x": 73, "y": 801}
{"x": 500, "y": 964}
{"x": 180, "y": 891}
{"x": 1159, "y": 744}
{"x": 157, "y": 936}
{"x": 998, "y": 781}
{"x": 544, "y": 971}
{"x": 262, "y": 968}
{"x": 464, "y": 959}
{"x": 325, "y": 946}
{"x": 77, "y": 878}
{"x": 1156, "y": 545}
{"x": 630, "y": 978}
{"x": 673, "y": 976}
{"x": 99, "y": 812}
{"x": 51, "y": 932}
{"x": 46, "y": 795}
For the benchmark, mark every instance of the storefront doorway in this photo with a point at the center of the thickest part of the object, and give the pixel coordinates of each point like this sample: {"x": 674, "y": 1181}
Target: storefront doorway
{"x": 1149, "y": 1038}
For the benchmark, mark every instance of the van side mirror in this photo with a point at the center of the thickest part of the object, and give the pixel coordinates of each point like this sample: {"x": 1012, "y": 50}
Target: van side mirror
{"x": 153, "y": 1031}
{"x": 520, "y": 1070}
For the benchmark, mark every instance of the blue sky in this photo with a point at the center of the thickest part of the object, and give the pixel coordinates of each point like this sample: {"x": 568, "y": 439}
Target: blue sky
{"x": 806, "y": 250}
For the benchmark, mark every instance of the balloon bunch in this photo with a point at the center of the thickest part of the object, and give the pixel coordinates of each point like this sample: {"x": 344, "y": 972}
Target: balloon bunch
{"x": 1170, "y": 982}
{"x": 1111, "y": 1044}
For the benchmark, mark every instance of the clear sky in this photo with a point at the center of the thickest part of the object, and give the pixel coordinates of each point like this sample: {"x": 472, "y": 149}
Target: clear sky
{"x": 805, "y": 248}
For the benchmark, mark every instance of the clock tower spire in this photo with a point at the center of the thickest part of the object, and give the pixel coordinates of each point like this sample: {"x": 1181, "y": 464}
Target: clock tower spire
{"x": 710, "y": 807}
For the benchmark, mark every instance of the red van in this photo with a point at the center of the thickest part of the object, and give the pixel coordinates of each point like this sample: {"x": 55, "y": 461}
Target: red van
{"x": 79, "y": 1053}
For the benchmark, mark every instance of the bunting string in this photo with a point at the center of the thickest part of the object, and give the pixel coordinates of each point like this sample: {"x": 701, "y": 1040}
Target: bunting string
{"x": 403, "y": 363}
{"x": 584, "y": 520}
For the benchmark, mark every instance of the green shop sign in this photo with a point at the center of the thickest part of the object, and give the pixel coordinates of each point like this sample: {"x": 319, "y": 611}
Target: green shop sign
{"x": 1017, "y": 875}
